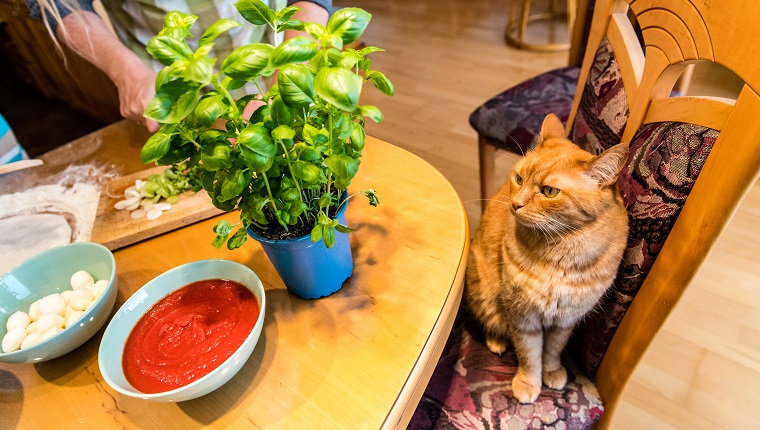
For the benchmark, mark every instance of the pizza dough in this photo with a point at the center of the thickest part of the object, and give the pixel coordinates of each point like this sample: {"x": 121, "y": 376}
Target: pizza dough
{"x": 23, "y": 236}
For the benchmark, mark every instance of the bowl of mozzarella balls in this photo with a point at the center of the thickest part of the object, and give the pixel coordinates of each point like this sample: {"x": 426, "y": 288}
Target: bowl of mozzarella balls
{"x": 55, "y": 301}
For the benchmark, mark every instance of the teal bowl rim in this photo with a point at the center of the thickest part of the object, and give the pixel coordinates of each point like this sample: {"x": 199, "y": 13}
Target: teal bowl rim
{"x": 6, "y": 356}
{"x": 167, "y": 396}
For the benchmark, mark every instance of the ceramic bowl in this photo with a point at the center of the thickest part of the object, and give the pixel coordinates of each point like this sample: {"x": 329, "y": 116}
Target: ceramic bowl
{"x": 50, "y": 272}
{"x": 121, "y": 325}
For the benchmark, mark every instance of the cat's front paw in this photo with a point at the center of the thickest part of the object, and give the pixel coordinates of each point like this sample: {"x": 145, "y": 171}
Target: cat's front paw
{"x": 556, "y": 378}
{"x": 525, "y": 388}
{"x": 496, "y": 345}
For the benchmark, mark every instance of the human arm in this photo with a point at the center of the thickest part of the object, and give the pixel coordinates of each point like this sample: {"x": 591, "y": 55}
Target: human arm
{"x": 86, "y": 34}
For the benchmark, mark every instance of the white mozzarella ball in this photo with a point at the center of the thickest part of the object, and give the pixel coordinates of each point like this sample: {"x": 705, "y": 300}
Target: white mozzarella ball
{"x": 50, "y": 333}
{"x": 32, "y": 327}
{"x": 30, "y": 339}
{"x": 81, "y": 279}
{"x": 90, "y": 305}
{"x": 12, "y": 340}
{"x": 80, "y": 299}
{"x": 48, "y": 321}
{"x": 73, "y": 317}
{"x": 99, "y": 288}
{"x": 66, "y": 294}
{"x": 34, "y": 310}
{"x": 53, "y": 304}
{"x": 18, "y": 319}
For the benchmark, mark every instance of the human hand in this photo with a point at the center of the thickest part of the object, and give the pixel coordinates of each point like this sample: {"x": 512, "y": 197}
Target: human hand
{"x": 136, "y": 89}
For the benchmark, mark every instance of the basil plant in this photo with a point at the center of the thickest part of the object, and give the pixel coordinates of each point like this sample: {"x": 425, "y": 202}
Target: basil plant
{"x": 285, "y": 168}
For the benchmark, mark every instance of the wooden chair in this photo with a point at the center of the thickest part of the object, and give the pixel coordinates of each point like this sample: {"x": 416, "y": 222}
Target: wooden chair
{"x": 693, "y": 159}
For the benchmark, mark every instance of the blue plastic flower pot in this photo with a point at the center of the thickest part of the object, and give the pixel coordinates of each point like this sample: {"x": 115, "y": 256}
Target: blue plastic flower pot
{"x": 310, "y": 269}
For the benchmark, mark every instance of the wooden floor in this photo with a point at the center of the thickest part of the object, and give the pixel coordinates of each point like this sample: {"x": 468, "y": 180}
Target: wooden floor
{"x": 446, "y": 57}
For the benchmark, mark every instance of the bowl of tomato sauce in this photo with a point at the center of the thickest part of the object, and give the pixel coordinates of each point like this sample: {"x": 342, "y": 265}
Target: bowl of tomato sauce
{"x": 185, "y": 333}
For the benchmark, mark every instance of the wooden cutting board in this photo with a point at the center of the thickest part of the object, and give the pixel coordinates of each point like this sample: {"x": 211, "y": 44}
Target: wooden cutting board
{"x": 116, "y": 228}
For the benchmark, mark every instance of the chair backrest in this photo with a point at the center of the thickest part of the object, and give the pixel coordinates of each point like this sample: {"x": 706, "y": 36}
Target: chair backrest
{"x": 693, "y": 159}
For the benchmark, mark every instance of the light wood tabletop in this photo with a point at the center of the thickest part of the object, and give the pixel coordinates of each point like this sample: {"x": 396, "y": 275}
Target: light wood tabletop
{"x": 358, "y": 359}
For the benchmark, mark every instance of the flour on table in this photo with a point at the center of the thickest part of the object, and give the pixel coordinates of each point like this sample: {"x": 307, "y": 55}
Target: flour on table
{"x": 46, "y": 216}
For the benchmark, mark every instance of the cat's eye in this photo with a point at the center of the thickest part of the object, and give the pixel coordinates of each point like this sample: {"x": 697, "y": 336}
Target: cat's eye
{"x": 518, "y": 179}
{"x": 549, "y": 191}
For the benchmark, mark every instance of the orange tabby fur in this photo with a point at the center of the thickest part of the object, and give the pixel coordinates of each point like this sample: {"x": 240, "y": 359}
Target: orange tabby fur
{"x": 538, "y": 264}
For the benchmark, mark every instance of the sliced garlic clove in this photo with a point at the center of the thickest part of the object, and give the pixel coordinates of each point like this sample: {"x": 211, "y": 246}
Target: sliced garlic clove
{"x": 137, "y": 213}
{"x": 125, "y": 204}
{"x": 133, "y": 206}
{"x": 162, "y": 206}
{"x": 13, "y": 339}
{"x": 155, "y": 213}
{"x": 131, "y": 193}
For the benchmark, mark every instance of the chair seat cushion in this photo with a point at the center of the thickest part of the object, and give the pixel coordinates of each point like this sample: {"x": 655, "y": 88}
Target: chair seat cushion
{"x": 471, "y": 388}
{"x": 513, "y": 118}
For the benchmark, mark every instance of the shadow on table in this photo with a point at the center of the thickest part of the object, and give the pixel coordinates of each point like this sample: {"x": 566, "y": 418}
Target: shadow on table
{"x": 11, "y": 399}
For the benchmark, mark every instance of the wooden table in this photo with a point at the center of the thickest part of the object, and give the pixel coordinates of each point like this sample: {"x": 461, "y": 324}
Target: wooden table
{"x": 358, "y": 359}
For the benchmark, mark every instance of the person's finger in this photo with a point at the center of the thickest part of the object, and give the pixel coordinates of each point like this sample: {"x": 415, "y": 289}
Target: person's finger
{"x": 151, "y": 125}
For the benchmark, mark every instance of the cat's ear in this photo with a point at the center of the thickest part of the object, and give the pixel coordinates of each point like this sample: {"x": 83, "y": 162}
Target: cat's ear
{"x": 551, "y": 127}
{"x": 605, "y": 168}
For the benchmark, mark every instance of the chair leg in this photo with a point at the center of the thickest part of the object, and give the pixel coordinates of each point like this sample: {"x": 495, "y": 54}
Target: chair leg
{"x": 487, "y": 161}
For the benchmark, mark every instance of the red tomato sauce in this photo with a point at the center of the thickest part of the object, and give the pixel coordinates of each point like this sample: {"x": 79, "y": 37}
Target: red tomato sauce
{"x": 187, "y": 334}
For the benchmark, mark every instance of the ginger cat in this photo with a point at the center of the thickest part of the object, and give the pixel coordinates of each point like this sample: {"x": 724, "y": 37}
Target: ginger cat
{"x": 548, "y": 247}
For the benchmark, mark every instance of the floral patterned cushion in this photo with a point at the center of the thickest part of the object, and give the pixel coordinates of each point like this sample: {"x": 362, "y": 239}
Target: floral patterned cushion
{"x": 513, "y": 118}
{"x": 603, "y": 109}
{"x": 664, "y": 163}
{"x": 472, "y": 389}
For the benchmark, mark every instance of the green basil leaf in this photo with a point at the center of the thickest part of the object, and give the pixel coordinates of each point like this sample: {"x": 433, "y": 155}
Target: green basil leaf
{"x": 156, "y": 147}
{"x": 179, "y": 151}
{"x": 287, "y": 13}
{"x": 256, "y": 12}
{"x": 256, "y": 147}
{"x": 282, "y": 114}
{"x": 342, "y": 166}
{"x": 316, "y": 233}
{"x": 381, "y": 82}
{"x": 295, "y": 50}
{"x": 173, "y": 101}
{"x": 238, "y": 239}
{"x": 293, "y": 24}
{"x": 177, "y": 19}
{"x": 348, "y": 23}
{"x": 315, "y": 30}
{"x": 168, "y": 49}
{"x": 332, "y": 40}
{"x": 328, "y": 234}
{"x": 209, "y": 110}
{"x": 358, "y": 136}
{"x": 200, "y": 69}
{"x": 339, "y": 87}
{"x": 371, "y": 112}
{"x": 350, "y": 58}
{"x": 234, "y": 183}
{"x": 248, "y": 61}
{"x": 343, "y": 229}
{"x": 295, "y": 83}
{"x": 216, "y": 29}
{"x": 307, "y": 172}
{"x": 216, "y": 156}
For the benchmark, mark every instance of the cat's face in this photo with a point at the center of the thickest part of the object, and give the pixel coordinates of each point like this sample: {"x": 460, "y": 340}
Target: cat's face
{"x": 550, "y": 190}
